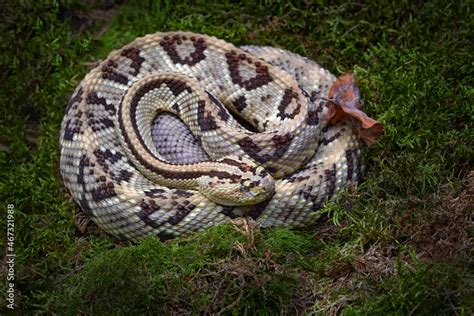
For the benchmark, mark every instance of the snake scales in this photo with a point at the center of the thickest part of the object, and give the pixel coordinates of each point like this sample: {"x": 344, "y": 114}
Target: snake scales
{"x": 138, "y": 173}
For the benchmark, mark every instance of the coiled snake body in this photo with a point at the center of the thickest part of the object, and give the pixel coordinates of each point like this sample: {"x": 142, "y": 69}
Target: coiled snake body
{"x": 137, "y": 173}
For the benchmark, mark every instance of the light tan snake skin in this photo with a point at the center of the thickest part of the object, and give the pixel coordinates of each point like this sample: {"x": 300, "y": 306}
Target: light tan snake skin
{"x": 136, "y": 176}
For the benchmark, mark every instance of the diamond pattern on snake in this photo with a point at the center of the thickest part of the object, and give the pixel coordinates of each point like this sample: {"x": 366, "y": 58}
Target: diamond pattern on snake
{"x": 177, "y": 132}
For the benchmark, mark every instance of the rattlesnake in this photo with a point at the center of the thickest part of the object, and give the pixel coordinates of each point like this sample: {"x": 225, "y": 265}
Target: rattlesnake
{"x": 132, "y": 172}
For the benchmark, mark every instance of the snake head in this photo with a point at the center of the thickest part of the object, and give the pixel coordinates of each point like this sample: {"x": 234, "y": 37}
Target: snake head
{"x": 239, "y": 181}
{"x": 346, "y": 105}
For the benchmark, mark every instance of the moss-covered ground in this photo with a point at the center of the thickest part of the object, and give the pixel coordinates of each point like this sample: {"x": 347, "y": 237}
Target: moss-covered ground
{"x": 399, "y": 244}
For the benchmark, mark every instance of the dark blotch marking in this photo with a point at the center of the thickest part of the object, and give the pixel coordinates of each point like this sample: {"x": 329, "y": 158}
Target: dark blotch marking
{"x": 125, "y": 175}
{"x": 75, "y": 99}
{"x": 133, "y": 54}
{"x": 330, "y": 175}
{"x": 102, "y": 192}
{"x": 312, "y": 119}
{"x": 205, "y": 120}
{"x": 262, "y": 75}
{"x": 176, "y": 87}
{"x": 240, "y": 104}
{"x": 83, "y": 163}
{"x": 106, "y": 122}
{"x": 181, "y": 193}
{"x": 224, "y": 175}
{"x": 326, "y": 141}
{"x": 182, "y": 211}
{"x": 242, "y": 166}
{"x": 313, "y": 115}
{"x": 169, "y": 44}
{"x": 252, "y": 149}
{"x": 350, "y": 164}
{"x": 144, "y": 216}
{"x": 109, "y": 73}
{"x": 305, "y": 192}
{"x": 297, "y": 179}
{"x": 100, "y": 124}
{"x": 288, "y": 96}
{"x": 282, "y": 142}
{"x": 93, "y": 98}
{"x": 314, "y": 96}
{"x": 107, "y": 154}
{"x": 153, "y": 193}
{"x": 176, "y": 108}
{"x": 72, "y": 127}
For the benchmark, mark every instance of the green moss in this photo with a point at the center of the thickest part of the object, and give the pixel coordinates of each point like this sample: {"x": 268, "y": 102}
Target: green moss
{"x": 430, "y": 290}
{"x": 213, "y": 268}
{"x": 413, "y": 62}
